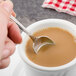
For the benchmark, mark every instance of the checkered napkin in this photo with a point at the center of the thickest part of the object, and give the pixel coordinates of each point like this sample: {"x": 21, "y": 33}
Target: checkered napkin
{"x": 67, "y": 6}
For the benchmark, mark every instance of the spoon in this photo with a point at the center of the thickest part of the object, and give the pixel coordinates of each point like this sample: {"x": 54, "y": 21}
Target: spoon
{"x": 38, "y": 42}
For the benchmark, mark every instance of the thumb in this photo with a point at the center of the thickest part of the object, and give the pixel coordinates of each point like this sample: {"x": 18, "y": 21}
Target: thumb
{"x": 8, "y": 6}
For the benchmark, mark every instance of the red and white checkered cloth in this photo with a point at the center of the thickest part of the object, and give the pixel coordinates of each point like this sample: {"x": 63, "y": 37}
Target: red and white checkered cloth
{"x": 67, "y": 6}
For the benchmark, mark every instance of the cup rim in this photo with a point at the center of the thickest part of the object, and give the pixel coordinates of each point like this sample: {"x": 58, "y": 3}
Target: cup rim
{"x": 29, "y": 62}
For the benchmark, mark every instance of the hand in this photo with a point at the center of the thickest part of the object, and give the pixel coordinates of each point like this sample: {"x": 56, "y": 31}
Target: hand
{"x": 9, "y": 33}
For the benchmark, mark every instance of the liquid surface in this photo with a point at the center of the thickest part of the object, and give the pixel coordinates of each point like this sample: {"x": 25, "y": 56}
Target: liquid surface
{"x": 61, "y": 53}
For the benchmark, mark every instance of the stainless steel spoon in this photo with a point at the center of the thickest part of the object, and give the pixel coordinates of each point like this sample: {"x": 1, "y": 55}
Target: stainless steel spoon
{"x": 38, "y": 42}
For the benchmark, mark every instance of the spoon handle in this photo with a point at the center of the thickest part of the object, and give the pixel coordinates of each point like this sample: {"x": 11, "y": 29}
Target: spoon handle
{"x": 22, "y": 27}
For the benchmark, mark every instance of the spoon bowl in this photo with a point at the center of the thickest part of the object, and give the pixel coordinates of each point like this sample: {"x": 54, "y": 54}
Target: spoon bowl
{"x": 42, "y": 41}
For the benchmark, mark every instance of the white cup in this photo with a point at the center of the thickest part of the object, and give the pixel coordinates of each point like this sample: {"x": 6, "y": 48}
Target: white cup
{"x": 37, "y": 70}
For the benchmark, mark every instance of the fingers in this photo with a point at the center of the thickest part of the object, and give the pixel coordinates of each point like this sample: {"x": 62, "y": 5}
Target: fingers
{"x": 4, "y": 63}
{"x": 6, "y": 53}
{"x": 8, "y": 49}
{"x": 10, "y": 45}
{"x": 14, "y": 32}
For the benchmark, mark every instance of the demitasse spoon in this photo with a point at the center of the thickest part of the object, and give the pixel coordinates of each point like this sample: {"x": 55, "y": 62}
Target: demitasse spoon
{"x": 38, "y": 42}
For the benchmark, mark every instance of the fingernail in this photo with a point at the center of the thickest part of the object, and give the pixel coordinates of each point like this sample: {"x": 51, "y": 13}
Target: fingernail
{"x": 5, "y": 54}
{"x": 7, "y": 6}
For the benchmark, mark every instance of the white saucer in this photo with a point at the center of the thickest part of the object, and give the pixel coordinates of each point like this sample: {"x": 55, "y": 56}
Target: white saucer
{"x": 19, "y": 70}
{"x": 16, "y": 68}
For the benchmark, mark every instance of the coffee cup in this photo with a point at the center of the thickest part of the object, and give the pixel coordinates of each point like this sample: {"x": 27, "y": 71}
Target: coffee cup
{"x": 37, "y": 70}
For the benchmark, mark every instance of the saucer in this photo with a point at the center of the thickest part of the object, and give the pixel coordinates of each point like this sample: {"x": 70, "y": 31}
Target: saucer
{"x": 19, "y": 70}
{"x": 16, "y": 67}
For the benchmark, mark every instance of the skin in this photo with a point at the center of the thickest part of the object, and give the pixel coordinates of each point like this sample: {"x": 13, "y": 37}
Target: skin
{"x": 9, "y": 33}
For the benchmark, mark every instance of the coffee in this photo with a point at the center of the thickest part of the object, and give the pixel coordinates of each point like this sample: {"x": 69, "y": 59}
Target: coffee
{"x": 61, "y": 53}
